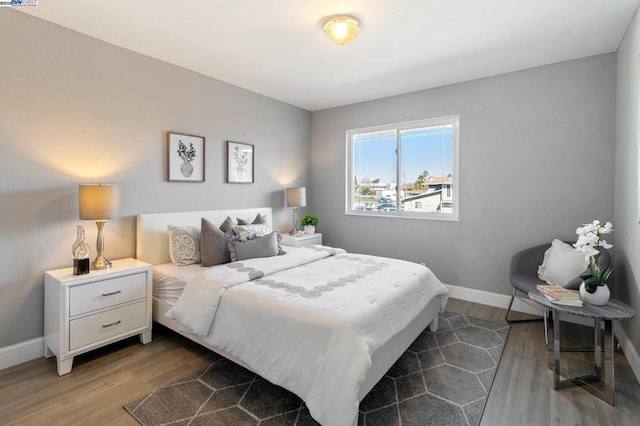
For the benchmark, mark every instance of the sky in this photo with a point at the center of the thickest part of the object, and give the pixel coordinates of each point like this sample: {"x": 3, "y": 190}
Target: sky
{"x": 422, "y": 149}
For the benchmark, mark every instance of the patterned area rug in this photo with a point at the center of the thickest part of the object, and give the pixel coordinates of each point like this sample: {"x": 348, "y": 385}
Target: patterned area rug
{"x": 444, "y": 378}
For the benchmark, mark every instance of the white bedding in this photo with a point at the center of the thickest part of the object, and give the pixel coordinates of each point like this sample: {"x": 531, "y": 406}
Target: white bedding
{"x": 309, "y": 320}
{"x": 169, "y": 280}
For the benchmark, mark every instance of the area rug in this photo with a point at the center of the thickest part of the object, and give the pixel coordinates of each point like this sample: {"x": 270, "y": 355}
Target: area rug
{"x": 444, "y": 378}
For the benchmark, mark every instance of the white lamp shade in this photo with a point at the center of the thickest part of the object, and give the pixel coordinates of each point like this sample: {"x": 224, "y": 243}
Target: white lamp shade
{"x": 297, "y": 197}
{"x": 99, "y": 202}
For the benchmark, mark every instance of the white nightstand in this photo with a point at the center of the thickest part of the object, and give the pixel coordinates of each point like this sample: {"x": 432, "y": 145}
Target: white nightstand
{"x": 85, "y": 312}
{"x": 301, "y": 240}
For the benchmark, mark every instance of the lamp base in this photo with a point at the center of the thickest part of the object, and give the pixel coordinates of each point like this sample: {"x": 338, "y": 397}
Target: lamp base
{"x": 295, "y": 230}
{"x": 100, "y": 263}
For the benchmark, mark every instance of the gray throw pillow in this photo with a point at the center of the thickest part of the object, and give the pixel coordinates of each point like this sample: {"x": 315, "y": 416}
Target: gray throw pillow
{"x": 227, "y": 226}
{"x": 214, "y": 245}
{"x": 266, "y": 246}
{"x": 259, "y": 220}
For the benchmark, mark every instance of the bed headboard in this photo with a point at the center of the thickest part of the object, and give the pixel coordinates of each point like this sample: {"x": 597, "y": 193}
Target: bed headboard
{"x": 152, "y": 240}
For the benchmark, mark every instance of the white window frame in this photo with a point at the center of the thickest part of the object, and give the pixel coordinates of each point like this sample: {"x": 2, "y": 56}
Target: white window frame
{"x": 453, "y": 120}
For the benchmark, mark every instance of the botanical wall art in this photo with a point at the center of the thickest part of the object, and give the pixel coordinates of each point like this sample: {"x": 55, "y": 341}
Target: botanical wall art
{"x": 239, "y": 162}
{"x": 186, "y": 157}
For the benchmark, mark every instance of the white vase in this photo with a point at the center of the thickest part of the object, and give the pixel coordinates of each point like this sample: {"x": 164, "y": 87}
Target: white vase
{"x": 600, "y": 297}
{"x": 309, "y": 229}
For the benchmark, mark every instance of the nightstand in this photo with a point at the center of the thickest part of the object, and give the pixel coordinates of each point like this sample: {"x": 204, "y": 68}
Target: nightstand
{"x": 85, "y": 312}
{"x": 302, "y": 240}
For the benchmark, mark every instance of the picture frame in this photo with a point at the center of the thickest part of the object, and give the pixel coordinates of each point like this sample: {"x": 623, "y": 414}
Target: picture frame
{"x": 240, "y": 162}
{"x": 185, "y": 157}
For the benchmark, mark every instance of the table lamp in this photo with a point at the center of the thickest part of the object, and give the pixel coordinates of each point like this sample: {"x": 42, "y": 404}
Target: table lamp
{"x": 296, "y": 197}
{"x": 99, "y": 203}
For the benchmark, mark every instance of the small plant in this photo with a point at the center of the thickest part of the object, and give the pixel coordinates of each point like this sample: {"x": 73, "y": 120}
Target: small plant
{"x": 186, "y": 155}
{"x": 589, "y": 242}
{"x": 309, "y": 220}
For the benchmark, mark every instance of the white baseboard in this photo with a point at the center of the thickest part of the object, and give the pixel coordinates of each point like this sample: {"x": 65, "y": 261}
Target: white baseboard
{"x": 492, "y": 299}
{"x": 630, "y": 351}
{"x": 21, "y": 352}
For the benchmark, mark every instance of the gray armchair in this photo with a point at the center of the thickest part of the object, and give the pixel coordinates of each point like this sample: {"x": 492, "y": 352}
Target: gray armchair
{"x": 523, "y": 275}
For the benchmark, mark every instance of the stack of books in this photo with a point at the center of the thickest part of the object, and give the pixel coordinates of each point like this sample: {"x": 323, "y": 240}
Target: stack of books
{"x": 559, "y": 295}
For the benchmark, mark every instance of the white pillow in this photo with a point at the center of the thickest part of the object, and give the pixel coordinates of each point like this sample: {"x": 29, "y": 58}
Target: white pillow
{"x": 562, "y": 264}
{"x": 184, "y": 245}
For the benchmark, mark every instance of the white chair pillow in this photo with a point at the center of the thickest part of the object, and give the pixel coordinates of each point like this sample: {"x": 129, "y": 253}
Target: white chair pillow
{"x": 562, "y": 264}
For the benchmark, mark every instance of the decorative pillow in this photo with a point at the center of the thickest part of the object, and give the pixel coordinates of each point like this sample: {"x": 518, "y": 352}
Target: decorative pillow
{"x": 562, "y": 264}
{"x": 265, "y": 246}
{"x": 184, "y": 245}
{"x": 227, "y": 226}
{"x": 249, "y": 232}
{"x": 215, "y": 249}
{"x": 260, "y": 220}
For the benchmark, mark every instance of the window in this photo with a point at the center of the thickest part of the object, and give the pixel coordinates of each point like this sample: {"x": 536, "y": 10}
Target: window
{"x": 404, "y": 170}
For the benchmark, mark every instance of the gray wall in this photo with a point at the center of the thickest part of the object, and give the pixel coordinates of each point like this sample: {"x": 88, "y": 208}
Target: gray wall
{"x": 627, "y": 228}
{"x": 77, "y": 110}
{"x": 536, "y": 161}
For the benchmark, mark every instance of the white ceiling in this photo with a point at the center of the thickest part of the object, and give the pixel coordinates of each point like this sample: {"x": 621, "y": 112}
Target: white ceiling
{"x": 277, "y": 47}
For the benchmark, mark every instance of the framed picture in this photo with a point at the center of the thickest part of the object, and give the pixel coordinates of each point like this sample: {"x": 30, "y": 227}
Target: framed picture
{"x": 186, "y": 157}
{"x": 239, "y": 162}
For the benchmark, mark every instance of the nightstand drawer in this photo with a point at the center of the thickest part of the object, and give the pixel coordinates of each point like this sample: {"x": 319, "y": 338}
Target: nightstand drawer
{"x": 104, "y": 325}
{"x": 106, "y": 293}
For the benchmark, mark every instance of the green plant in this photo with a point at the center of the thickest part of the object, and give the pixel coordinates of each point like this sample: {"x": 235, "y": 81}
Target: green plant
{"x": 309, "y": 219}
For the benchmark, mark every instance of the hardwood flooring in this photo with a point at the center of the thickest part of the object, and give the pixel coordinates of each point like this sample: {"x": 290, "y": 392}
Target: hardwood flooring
{"x": 102, "y": 381}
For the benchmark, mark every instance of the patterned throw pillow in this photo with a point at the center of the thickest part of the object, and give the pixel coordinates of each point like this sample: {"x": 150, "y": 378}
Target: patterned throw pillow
{"x": 184, "y": 245}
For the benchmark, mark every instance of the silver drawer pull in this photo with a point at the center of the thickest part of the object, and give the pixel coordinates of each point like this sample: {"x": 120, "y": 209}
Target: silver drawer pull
{"x": 112, "y": 324}
{"x": 112, "y": 293}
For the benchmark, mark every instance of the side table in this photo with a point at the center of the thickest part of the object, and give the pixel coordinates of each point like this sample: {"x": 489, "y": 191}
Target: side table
{"x": 302, "y": 240}
{"x": 85, "y": 312}
{"x": 607, "y": 314}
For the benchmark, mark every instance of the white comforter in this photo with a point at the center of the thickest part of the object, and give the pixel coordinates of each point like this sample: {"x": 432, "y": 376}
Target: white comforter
{"x": 310, "y": 320}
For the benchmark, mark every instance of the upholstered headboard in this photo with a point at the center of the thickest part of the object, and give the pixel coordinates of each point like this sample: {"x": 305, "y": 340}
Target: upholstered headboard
{"x": 152, "y": 240}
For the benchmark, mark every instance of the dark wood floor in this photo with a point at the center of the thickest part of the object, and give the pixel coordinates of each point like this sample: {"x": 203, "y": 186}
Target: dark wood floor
{"x": 102, "y": 381}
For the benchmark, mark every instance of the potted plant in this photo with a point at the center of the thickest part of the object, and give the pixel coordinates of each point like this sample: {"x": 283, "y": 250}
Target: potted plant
{"x": 309, "y": 223}
{"x": 594, "y": 288}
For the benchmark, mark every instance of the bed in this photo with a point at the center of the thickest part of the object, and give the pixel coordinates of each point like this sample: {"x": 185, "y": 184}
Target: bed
{"x": 251, "y": 323}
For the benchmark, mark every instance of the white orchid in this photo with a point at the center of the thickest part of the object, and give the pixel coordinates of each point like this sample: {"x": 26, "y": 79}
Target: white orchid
{"x": 589, "y": 242}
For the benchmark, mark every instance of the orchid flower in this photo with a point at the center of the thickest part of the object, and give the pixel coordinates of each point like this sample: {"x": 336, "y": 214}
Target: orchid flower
{"x": 589, "y": 242}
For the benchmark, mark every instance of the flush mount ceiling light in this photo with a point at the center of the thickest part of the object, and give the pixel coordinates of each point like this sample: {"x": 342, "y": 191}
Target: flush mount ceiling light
{"x": 341, "y": 29}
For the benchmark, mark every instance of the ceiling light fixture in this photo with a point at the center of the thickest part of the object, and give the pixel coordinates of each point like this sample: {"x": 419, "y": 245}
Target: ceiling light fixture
{"x": 341, "y": 29}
